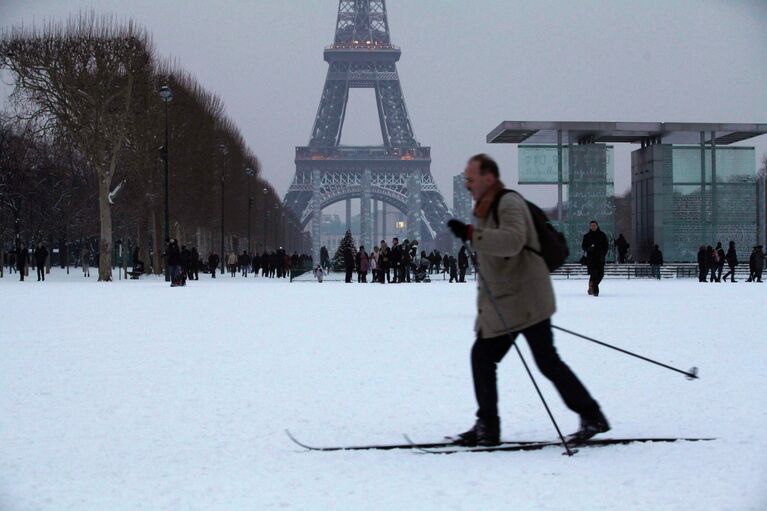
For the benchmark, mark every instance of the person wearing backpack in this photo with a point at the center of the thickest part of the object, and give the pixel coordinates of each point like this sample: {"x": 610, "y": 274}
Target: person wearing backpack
{"x": 514, "y": 265}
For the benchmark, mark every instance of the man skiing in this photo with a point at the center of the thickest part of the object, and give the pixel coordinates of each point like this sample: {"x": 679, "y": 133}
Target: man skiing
{"x": 521, "y": 286}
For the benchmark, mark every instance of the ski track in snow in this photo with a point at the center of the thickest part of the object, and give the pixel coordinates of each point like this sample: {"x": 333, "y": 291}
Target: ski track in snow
{"x": 133, "y": 395}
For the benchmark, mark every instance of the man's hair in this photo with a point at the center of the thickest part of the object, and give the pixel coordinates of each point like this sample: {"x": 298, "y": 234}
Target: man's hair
{"x": 487, "y": 165}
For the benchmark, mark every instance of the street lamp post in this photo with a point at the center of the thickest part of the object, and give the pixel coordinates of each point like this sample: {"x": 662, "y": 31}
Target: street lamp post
{"x": 266, "y": 213}
{"x": 250, "y": 173}
{"x": 167, "y": 95}
{"x": 224, "y": 151}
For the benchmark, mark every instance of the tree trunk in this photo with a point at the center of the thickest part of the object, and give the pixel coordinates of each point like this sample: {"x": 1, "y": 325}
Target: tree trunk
{"x": 105, "y": 243}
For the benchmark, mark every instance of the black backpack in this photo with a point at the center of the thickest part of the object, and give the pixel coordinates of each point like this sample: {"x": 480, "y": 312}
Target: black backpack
{"x": 554, "y": 249}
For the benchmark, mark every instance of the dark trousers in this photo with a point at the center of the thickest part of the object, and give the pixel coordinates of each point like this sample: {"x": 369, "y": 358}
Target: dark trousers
{"x": 596, "y": 274}
{"x": 702, "y": 271}
{"x": 40, "y": 272}
{"x": 461, "y": 274}
{"x": 487, "y": 353}
{"x": 349, "y": 275}
{"x": 730, "y": 273}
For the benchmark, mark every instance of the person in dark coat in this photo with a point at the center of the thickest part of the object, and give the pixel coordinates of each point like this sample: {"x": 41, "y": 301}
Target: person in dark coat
{"x": 453, "y": 265}
{"x": 622, "y": 247}
{"x": 21, "y": 260}
{"x": 213, "y": 261}
{"x": 463, "y": 264}
{"x": 720, "y": 260}
{"x": 395, "y": 258}
{"x": 244, "y": 262}
{"x": 595, "y": 245}
{"x": 174, "y": 262}
{"x": 41, "y": 255}
{"x": 656, "y": 261}
{"x": 756, "y": 264}
{"x": 384, "y": 261}
{"x": 702, "y": 264}
{"x": 194, "y": 264}
{"x": 348, "y": 264}
{"x": 186, "y": 260}
{"x": 732, "y": 261}
{"x": 713, "y": 262}
{"x": 445, "y": 265}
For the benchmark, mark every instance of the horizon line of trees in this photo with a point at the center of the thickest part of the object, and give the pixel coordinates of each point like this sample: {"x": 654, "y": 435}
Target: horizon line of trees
{"x": 82, "y": 148}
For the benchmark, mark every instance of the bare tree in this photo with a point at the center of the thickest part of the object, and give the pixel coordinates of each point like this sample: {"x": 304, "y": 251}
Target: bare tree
{"x": 78, "y": 79}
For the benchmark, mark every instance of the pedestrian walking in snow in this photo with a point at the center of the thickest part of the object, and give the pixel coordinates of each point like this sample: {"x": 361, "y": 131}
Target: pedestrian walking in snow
{"x": 22, "y": 261}
{"x": 213, "y": 261}
{"x": 720, "y": 260}
{"x": 702, "y": 264}
{"x": 463, "y": 264}
{"x": 85, "y": 260}
{"x": 194, "y": 264}
{"x": 384, "y": 262}
{"x": 373, "y": 263}
{"x": 362, "y": 265}
{"x": 231, "y": 263}
{"x": 712, "y": 261}
{"x": 732, "y": 261}
{"x": 622, "y": 247}
{"x": 520, "y": 282}
{"x": 755, "y": 264}
{"x": 595, "y": 246}
{"x": 41, "y": 256}
{"x": 656, "y": 261}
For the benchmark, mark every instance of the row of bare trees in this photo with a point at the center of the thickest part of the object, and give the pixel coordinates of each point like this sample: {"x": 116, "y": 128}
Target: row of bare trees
{"x": 81, "y": 149}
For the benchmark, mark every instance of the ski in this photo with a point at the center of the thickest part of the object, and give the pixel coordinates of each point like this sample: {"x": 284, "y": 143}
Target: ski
{"x": 390, "y": 447}
{"x": 535, "y": 446}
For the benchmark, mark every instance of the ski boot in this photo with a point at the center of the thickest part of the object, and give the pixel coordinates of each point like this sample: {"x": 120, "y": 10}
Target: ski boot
{"x": 482, "y": 434}
{"x": 590, "y": 425}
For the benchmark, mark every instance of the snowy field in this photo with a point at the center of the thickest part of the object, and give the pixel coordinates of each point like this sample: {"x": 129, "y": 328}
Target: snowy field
{"x": 133, "y": 395}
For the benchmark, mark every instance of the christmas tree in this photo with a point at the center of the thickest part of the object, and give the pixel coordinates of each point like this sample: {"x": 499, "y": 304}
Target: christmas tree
{"x": 347, "y": 243}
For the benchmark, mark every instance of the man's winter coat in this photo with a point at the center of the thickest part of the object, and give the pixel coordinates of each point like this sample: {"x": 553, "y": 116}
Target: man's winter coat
{"x": 595, "y": 245}
{"x": 656, "y": 257}
{"x": 41, "y": 254}
{"x": 518, "y": 278}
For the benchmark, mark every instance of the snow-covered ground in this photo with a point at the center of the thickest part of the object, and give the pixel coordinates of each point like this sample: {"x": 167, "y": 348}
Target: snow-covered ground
{"x": 133, "y": 395}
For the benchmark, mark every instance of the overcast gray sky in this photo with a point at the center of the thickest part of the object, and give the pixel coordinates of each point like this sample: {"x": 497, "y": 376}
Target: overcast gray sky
{"x": 466, "y": 66}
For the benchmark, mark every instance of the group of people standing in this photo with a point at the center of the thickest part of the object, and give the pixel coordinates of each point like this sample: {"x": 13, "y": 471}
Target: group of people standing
{"x": 18, "y": 260}
{"x": 185, "y": 264}
{"x": 711, "y": 261}
{"x": 399, "y": 263}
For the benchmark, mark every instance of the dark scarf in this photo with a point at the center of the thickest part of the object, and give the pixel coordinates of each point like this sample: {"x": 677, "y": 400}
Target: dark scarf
{"x": 482, "y": 208}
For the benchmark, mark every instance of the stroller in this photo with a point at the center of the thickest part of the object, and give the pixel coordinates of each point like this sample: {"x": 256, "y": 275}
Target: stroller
{"x": 422, "y": 271}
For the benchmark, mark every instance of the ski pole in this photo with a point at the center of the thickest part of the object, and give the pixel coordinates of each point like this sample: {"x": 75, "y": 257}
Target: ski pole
{"x": 506, "y": 328}
{"x": 692, "y": 374}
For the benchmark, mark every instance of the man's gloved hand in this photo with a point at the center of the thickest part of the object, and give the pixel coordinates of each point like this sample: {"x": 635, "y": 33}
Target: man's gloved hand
{"x": 461, "y": 230}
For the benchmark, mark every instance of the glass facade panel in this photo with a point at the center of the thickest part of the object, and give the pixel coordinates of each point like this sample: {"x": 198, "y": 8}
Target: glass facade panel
{"x": 723, "y": 210}
{"x": 537, "y": 164}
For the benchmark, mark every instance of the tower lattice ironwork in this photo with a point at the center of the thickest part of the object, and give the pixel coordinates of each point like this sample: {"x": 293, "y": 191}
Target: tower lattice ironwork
{"x": 396, "y": 173}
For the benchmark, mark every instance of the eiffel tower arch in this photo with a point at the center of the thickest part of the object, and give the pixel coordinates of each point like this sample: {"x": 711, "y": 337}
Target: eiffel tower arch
{"x": 397, "y": 173}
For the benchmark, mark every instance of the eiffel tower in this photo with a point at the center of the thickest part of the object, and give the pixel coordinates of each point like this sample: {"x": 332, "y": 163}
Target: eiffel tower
{"x": 396, "y": 173}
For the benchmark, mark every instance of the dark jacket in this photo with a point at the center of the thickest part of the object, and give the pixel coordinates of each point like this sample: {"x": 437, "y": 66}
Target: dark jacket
{"x": 174, "y": 255}
{"x": 213, "y": 261}
{"x": 702, "y": 258}
{"x": 463, "y": 259}
{"x": 595, "y": 245}
{"x": 656, "y": 257}
{"x": 41, "y": 254}
{"x": 731, "y": 257}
